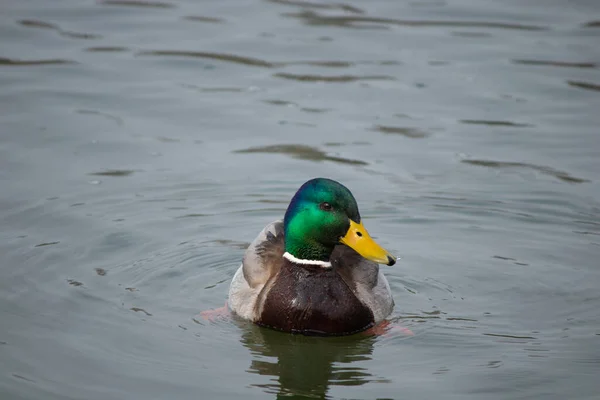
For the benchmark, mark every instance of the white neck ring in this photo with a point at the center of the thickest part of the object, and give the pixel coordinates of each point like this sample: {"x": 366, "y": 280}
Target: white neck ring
{"x": 295, "y": 260}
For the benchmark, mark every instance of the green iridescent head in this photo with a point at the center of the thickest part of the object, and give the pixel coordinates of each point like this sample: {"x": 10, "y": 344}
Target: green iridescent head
{"x": 322, "y": 214}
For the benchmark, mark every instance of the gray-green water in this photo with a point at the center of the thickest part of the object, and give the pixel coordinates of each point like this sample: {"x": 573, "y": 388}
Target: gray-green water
{"x": 144, "y": 144}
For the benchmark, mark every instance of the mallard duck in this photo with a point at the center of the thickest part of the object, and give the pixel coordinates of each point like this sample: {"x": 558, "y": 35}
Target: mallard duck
{"x": 316, "y": 272}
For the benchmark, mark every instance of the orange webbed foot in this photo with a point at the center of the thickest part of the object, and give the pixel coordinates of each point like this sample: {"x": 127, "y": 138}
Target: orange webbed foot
{"x": 386, "y": 328}
{"x": 215, "y": 314}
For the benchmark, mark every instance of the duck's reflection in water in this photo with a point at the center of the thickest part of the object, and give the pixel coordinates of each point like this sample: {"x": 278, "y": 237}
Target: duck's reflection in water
{"x": 306, "y": 366}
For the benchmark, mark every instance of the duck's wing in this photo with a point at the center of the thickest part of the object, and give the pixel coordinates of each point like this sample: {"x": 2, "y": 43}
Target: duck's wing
{"x": 262, "y": 260}
{"x": 263, "y": 257}
{"x": 365, "y": 279}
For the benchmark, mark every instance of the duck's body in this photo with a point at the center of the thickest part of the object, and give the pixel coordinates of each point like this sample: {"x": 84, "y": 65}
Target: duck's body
{"x": 337, "y": 293}
{"x": 268, "y": 289}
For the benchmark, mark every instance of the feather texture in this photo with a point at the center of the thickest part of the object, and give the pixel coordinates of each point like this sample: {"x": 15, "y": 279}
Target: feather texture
{"x": 264, "y": 259}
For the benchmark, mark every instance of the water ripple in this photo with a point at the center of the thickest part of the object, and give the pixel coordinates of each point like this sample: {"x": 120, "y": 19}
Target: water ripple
{"x": 301, "y": 152}
{"x": 107, "y": 49}
{"x": 200, "y": 18}
{"x": 495, "y": 123}
{"x": 117, "y": 120}
{"x": 315, "y": 19}
{"x": 215, "y": 89}
{"x": 556, "y": 63}
{"x": 285, "y": 103}
{"x": 584, "y": 85}
{"x": 137, "y": 3}
{"x": 114, "y": 172}
{"x": 281, "y": 103}
{"x": 331, "y": 64}
{"x": 563, "y": 176}
{"x": 332, "y": 78}
{"x": 322, "y": 6}
{"x": 255, "y": 62}
{"x": 46, "y": 244}
{"x": 412, "y": 133}
{"x": 508, "y": 336}
{"x": 30, "y": 23}
{"x": 51, "y": 61}
{"x": 341, "y": 64}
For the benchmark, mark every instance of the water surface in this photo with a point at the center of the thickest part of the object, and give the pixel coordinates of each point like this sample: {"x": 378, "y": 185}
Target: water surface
{"x": 145, "y": 143}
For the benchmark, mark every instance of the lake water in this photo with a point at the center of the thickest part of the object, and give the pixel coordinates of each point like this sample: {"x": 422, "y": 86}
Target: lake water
{"x": 144, "y": 144}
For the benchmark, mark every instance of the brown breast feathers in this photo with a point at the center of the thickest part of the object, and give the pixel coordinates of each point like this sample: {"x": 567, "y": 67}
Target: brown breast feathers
{"x": 313, "y": 301}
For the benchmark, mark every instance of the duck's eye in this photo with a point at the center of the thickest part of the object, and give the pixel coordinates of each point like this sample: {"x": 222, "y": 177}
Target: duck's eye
{"x": 325, "y": 206}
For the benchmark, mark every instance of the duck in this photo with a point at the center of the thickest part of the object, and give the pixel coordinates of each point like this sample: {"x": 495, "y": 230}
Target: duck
{"x": 316, "y": 272}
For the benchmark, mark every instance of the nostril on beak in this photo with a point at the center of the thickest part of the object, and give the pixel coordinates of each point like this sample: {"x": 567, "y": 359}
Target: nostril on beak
{"x": 391, "y": 261}
{"x": 358, "y": 234}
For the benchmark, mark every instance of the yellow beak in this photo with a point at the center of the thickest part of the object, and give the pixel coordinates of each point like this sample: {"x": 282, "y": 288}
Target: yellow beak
{"x": 358, "y": 239}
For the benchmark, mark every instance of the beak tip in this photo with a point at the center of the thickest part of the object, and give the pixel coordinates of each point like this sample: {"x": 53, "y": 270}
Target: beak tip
{"x": 391, "y": 261}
